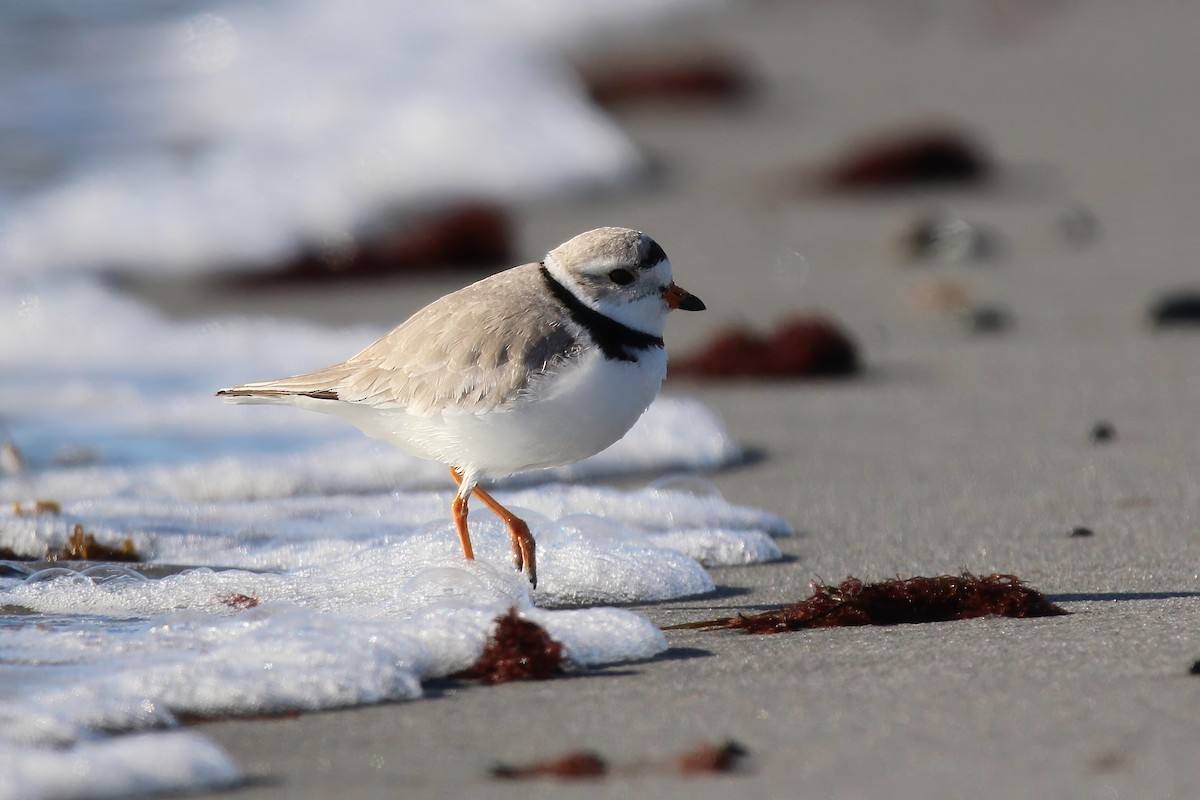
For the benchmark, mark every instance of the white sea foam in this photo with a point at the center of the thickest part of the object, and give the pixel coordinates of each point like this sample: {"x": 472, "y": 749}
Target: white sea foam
{"x": 253, "y": 127}
{"x": 141, "y": 764}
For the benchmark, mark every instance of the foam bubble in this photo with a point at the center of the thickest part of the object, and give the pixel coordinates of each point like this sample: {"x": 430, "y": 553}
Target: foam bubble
{"x": 209, "y": 43}
{"x": 142, "y": 764}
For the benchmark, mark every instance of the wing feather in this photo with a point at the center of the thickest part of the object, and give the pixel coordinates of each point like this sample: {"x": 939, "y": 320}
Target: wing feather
{"x": 477, "y": 349}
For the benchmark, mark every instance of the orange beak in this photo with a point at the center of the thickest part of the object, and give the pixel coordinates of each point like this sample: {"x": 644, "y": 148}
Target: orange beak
{"x": 682, "y": 299}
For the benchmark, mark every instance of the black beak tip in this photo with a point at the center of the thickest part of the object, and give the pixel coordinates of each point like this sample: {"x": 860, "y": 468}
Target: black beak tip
{"x": 692, "y": 303}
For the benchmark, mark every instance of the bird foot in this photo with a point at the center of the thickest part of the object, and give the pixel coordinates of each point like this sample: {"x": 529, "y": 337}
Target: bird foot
{"x": 524, "y": 549}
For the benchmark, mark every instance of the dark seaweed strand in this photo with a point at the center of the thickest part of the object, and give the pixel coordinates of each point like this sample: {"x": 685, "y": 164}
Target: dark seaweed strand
{"x": 614, "y": 339}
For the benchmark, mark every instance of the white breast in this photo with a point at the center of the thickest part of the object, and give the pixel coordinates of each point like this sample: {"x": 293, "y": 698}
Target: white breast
{"x": 568, "y": 416}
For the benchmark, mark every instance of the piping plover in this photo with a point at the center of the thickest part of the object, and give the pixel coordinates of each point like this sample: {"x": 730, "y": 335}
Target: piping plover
{"x": 537, "y": 366}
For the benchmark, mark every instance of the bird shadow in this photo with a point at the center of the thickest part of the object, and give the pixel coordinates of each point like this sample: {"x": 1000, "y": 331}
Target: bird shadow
{"x": 1082, "y": 597}
{"x": 251, "y": 782}
{"x": 685, "y": 654}
{"x": 751, "y": 454}
{"x": 719, "y": 593}
{"x": 448, "y": 686}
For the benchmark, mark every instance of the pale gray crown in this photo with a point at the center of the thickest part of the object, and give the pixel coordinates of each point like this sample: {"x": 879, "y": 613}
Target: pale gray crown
{"x": 602, "y": 248}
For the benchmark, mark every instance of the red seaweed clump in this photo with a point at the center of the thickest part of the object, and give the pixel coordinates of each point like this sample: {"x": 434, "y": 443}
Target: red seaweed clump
{"x": 897, "y": 602}
{"x": 240, "y": 601}
{"x": 800, "y": 347}
{"x": 467, "y": 235}
{"x": 82, "y": 546}
{"x": 913, "y": 159}
{"x": 39, "y": 507}
{"x": 518, "y": 650}
{"x": 705, "y": 759}
{"x": 685, "y": 78}
{"x": 711, "y": 758}
{"x": 582, "y": 765}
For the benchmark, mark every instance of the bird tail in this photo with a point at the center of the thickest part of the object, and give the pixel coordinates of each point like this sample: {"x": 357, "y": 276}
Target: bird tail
{"x": 320, "y": 385}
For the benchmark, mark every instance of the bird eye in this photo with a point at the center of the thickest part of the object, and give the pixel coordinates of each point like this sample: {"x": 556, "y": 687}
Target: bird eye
{"x": 621, "y": 276}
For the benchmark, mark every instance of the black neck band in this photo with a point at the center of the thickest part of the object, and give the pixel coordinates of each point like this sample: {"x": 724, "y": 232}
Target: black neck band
{"x": 615, "y": 339}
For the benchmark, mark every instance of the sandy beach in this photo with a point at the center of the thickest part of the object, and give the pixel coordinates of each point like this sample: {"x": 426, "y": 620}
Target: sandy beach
{"x": 959, "y": 447}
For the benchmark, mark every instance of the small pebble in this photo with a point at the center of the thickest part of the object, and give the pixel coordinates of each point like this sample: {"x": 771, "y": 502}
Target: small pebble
{"x": 1103, "y": 432}
{"x": 1079, "y": 225}
{"x": 1176, "y": 308}
{"x": 941, "y": 296}
{"x": 946, "y": 238}
{"x": 987, "y": 319}
{"x": 1195, "y": 670}
{"x": 1081, "y": 532}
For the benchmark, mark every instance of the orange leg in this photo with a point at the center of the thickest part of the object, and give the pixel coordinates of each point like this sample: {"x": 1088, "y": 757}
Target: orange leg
{"x": 524, "y": 548}
{"x": 523, "y": 545}
{"x": 459, "y": 509}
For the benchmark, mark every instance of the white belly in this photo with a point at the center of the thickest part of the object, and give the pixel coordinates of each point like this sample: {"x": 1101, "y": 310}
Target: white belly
{"x": 576, "y": 414}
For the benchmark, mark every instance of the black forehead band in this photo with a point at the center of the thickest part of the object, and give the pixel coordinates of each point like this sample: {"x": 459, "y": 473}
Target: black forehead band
{"x": 653, "y": 257}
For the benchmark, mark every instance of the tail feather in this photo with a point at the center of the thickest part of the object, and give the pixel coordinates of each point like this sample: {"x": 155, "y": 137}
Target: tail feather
{"x": 320, "y": 385}
{"x": 249, "y": 394}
